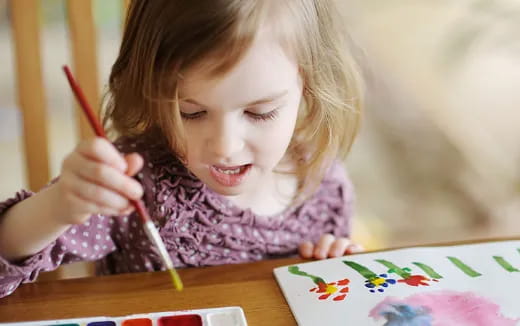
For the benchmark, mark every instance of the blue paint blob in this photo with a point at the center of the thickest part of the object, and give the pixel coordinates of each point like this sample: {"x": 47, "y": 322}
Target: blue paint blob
{"x": 406, "y": 315}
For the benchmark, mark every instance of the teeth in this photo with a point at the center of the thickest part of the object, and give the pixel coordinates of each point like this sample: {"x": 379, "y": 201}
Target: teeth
{"x": 234, "y": 171}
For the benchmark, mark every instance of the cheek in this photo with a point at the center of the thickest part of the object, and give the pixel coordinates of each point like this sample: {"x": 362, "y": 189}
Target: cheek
{"x": 280, "y": 133}
{"x": 284, "y": 128}
{"x": 193, "y": 144}
{"x": 276, "y": 137}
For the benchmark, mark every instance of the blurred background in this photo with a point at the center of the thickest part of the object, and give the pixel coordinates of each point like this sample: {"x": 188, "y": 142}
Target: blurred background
{"x": 438, "y": 157}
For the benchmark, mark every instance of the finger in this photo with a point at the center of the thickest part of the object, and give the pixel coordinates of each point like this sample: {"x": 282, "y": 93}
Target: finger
{"x": 134, "y": 162}
{"x": 95, "y": 194}
{"x": 306, "y": 249}
{"x": 101, "y": 150}
{"x": 339, "y": 247}
{"x": 88, "y": 207}
{"x": 127, "y": 210}
{"x": 106, "y": 176}
{"x": 354, "y": 248}
{"x": 323, "y": 246}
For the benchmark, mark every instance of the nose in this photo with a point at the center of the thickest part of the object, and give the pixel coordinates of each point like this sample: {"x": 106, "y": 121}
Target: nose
{"x": 225, "y": 140}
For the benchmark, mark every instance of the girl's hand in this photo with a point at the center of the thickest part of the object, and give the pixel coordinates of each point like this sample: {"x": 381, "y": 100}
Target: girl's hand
{"x": 96, "y": 179}
{"x": 328, "y": 246}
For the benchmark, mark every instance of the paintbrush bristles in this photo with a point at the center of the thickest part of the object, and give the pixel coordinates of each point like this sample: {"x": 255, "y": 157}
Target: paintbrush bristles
{"x": 176, "y": 279}
{"x": 155, "y": 237}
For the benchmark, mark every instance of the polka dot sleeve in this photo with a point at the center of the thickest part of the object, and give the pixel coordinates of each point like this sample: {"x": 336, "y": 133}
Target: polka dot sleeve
{"x": 85, "y": 242}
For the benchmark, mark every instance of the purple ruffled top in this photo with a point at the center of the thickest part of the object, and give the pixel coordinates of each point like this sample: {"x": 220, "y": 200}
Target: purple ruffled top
{"x": 199, "y": 227}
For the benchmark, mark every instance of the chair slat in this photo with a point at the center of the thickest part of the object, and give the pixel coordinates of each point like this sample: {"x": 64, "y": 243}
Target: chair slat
{"x": 125, "y": 4}
{"x": 84, "y": 53}
{"x": 31, "y": 95}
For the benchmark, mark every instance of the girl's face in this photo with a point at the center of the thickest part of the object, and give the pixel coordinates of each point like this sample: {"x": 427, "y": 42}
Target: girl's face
{"x": 238, "y": 126}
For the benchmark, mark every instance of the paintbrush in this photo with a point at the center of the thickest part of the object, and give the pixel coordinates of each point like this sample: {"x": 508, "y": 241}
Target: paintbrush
{"x": 149, "y": 227}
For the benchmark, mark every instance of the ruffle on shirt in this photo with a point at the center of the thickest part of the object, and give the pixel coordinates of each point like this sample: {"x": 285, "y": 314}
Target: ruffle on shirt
{"x": 12, "y": 275}
{"x": 18, "y": 197}
{"x": 203, "y": 228}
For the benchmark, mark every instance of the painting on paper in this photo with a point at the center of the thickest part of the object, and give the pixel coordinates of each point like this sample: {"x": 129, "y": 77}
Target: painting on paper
{"x": 469, "y": 285}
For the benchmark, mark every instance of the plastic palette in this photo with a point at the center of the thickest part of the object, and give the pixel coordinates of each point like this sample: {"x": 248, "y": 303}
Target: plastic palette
{"x": 226, "y": 316}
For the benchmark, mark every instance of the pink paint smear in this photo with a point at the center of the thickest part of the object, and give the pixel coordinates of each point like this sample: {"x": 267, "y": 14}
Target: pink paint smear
{"x": 443, "y": 308}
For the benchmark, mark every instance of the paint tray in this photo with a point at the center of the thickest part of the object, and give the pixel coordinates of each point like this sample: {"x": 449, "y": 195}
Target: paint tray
{"x": 225, "y": 316}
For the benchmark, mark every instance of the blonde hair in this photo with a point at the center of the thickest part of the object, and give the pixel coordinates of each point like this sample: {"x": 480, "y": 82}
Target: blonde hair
{"x": 163, "y": 38}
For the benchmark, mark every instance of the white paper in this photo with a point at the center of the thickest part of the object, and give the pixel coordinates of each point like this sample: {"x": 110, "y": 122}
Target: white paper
{"x": 482, "y": 292}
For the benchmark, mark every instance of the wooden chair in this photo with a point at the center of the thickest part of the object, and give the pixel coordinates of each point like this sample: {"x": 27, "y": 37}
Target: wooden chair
{"x": 25, "y": 19}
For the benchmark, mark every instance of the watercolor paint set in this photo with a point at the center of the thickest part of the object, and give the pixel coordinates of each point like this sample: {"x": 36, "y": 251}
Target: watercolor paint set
{"x": 225, "y": 316}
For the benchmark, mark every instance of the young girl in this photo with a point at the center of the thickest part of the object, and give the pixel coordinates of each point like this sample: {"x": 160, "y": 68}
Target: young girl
{"x": 231, "y": 115}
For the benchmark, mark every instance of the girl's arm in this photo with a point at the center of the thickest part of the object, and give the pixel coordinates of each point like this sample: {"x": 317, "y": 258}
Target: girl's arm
{"x": 90, "y": 240}
{"x": 31, "y": 225}
{"x": 95, "y": 178}
{"x": 57, "y": 225}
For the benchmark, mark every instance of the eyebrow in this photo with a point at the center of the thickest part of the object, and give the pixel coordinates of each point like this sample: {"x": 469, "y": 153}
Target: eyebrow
{"x": 267, "y": 99}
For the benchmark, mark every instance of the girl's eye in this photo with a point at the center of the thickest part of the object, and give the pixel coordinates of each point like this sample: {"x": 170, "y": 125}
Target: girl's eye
{"x": 271, "y": 115}
{"x": 193, "y": 116}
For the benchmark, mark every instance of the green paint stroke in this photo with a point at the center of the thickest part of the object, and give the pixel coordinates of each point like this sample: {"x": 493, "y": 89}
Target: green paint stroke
{"x": 463, "y": 267}
{"x": 296, "y": 271}
{"x": 365, "y": 272}
{"x": 505, "y": 265}
{"x": 428, "y": 270}
{"x": 392, "y": 268}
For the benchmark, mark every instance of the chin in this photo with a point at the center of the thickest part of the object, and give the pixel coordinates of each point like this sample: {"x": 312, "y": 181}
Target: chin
{"x": 226, "y": 191}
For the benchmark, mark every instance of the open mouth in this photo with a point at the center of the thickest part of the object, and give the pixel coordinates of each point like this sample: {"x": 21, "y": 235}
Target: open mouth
{"x": 229, "y": 176}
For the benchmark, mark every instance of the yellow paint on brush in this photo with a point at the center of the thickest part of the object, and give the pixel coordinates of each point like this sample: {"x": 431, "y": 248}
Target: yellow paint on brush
{"x": 177, "y": 283}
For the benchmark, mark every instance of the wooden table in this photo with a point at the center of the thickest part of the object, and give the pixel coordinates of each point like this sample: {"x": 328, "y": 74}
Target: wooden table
{"x": 251, "y": 286}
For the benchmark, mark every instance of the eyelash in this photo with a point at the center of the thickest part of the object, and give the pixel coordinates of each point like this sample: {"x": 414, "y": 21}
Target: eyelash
{"x": 271, "y": 115}
{"x": 192, "y": 116}
{"x": 268, "y": 116}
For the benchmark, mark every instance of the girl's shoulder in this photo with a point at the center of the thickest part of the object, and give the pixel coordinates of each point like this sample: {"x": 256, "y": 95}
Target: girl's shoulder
{"x": 336, "y": 184}
{"x": 337, "y": 175}
{"x": 336, "y": 172}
